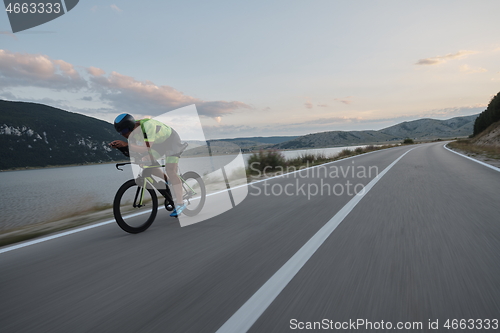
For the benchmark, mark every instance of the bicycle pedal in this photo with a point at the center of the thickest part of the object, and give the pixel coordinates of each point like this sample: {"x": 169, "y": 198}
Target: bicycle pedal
{"x": 168, "y": 207}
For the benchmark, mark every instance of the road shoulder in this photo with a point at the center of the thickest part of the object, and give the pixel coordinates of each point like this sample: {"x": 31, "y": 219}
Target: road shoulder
{"x": 476, "y": 156}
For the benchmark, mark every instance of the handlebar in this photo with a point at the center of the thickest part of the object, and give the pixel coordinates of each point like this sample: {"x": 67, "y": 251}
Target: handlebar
{"x": 118, "y": 165}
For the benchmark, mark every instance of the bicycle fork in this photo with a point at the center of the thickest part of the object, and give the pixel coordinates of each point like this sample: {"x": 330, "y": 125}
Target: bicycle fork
{"x": 139, "y": 194}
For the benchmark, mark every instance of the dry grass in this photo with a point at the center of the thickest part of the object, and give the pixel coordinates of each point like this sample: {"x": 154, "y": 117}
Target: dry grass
{"x": 469, "y": 147}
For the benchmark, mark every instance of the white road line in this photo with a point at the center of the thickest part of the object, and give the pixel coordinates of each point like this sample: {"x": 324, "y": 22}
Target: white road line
{"x": 243, "y": 319}
{"x": 61, "y": 234}
{"x": 46, "y": 238}
{"x": 39, "y": 240}
{"x": 473, "y": 159}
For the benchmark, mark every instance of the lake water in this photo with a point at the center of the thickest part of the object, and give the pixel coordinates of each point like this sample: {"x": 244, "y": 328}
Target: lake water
{"x": 33, "y": 196}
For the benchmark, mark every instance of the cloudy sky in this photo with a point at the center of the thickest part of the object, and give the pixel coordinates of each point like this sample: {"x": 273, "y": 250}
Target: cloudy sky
{"x": 261, "y": 68}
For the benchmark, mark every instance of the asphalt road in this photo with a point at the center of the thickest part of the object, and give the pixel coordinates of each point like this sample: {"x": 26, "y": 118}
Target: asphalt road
{"x": 423, "y": 244}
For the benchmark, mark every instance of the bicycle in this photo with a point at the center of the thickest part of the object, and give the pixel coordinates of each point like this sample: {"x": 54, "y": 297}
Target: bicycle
{"x": 137, "y": 197}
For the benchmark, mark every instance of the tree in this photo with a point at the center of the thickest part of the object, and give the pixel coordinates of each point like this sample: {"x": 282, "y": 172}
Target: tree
{"x": 488, "y": 116}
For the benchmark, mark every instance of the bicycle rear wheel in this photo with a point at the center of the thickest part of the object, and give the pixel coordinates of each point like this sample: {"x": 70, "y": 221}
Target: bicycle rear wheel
{"x": 134, "y": 207}
{"x": 194, "y": 193}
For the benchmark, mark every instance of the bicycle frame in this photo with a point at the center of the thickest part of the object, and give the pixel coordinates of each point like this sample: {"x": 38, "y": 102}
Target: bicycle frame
{"x": 149, "y": 179}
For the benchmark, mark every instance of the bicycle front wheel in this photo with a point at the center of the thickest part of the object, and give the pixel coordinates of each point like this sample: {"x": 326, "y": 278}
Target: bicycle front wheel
{"x": 135, "y": 207}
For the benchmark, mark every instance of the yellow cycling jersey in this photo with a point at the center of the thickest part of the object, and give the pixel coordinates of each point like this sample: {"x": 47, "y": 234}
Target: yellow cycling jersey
{"x": 154, "y": 131}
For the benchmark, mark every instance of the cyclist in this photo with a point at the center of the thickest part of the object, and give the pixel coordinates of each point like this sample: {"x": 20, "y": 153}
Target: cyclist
{"x": 160, "y": 140}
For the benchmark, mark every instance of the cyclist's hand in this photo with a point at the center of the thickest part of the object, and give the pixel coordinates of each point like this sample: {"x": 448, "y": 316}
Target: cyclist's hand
{"x": 118, "y": 144}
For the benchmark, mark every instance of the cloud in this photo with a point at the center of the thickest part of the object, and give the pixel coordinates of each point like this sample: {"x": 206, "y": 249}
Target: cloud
{"x": 129, "y": 95}
{"x": 87, "y": 98}
{"x": 308, "y": 105}
{"x": 455, "y": 111}
{"x": 94, "y": 71}
{"x": 443, "y": 113}
{"x": 442, "y": 59}
{"x": 228, "y": 131}
{"x": 37, "y": 70}
{"x": 468, "y": 70}
{"x": 345, "y": 100}
{"x": 322, "y": 105}
{"x": 333, "y": 120}
{"x": 123, "y": 93}
{"x": 115, "y": 8}
{"x": 218, "y": 108}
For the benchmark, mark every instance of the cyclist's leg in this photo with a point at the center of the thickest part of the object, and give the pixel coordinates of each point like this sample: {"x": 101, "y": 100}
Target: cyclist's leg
{"x": 159, "y": 173}
{"x": 171, "y": 167}
{"x": 173, "y": 148}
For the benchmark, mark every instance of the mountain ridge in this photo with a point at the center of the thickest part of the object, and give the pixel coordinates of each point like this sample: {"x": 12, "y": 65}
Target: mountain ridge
{"x": 420, "y": 129}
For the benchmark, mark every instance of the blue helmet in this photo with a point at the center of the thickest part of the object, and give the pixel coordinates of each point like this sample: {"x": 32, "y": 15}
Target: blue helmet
{"x": 124, "y": 123}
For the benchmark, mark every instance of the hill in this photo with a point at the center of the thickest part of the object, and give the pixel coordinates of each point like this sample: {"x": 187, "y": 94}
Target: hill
{"x": 37, "y": 135}
{"x": 422, "y": 129}
{"x": 334, "y": 138}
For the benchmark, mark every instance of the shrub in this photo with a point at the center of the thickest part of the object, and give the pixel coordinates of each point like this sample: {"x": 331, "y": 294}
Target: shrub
{"x": 308, "y": 159}
{"x": 408, "y": 141}
{"x": 345, "y": 152}
{"x": 266, "y": 158}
